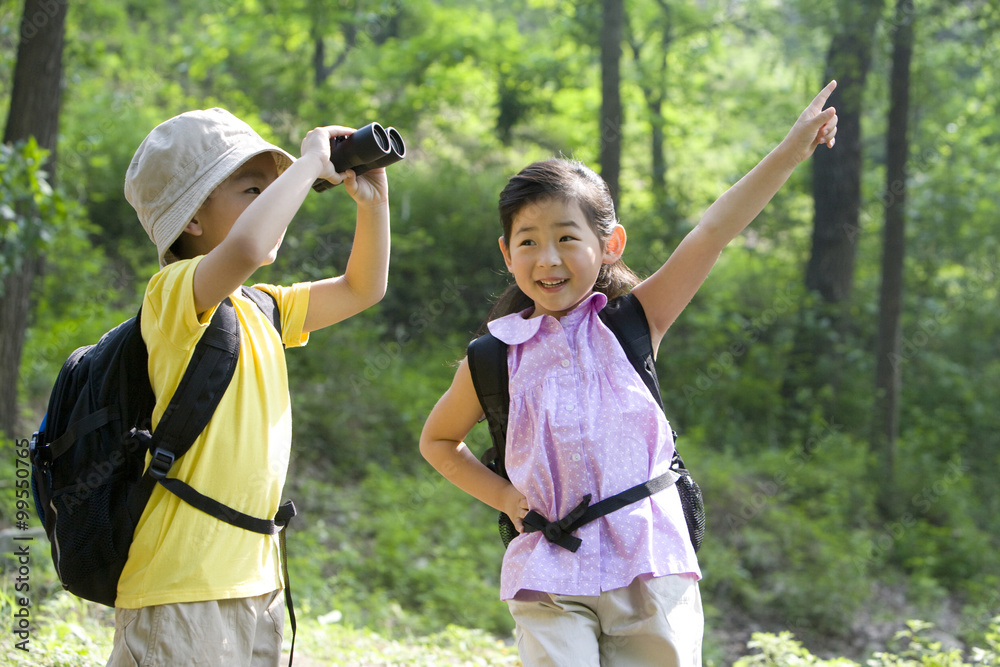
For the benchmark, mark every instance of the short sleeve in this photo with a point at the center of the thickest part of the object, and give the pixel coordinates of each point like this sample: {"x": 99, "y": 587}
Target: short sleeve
{"x": 293, "y": 304}
{"x": 168, "y": 310}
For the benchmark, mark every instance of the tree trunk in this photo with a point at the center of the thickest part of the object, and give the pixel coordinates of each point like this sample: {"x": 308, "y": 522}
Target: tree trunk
{"x": 837, "y": 173}
{"x": 611, "y": 104}
{"x": 658, "y": 144}
{"x": 34, "y": 111}
{"x": 34, "y": 103}
{"x": 657, "y": 147}
{"x": 653, "y": 85}
{"x": 837, "y": 209}
{"x": 888, "y": 375}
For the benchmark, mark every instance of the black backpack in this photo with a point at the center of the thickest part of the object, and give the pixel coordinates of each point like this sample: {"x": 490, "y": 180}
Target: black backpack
{"x": 488, "y": 365}
{"x": 88, "y": 457}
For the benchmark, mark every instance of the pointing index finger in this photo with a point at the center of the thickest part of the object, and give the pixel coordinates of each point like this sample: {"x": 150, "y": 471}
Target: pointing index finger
{"x": 824, "y": 95}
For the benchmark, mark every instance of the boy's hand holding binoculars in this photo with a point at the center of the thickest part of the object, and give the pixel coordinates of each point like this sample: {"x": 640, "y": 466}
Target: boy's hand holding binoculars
{"x": 371, "y": 147}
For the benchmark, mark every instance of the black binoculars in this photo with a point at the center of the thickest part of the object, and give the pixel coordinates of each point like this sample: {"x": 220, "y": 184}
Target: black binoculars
{"x": 370, "y": 147}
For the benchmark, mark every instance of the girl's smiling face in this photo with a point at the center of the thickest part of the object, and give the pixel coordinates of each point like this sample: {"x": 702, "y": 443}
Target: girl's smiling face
{"x": 555, "y": 255}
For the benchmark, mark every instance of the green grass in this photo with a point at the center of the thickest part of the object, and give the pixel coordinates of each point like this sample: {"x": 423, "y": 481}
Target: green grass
{"x": 69, "y": 632}
{"x": 65, "y": 631}
{"x": 333, "y": 644}
{"x": 911, "y": 647}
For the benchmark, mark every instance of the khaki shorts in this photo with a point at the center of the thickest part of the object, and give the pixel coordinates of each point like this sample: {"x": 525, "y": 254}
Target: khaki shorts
{"x": 650, "y": 623}
{"x": 217, "y": 633}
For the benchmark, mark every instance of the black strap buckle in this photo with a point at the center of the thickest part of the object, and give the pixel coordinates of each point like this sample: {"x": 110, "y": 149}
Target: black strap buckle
{"x": 558, "y": 532}
{"x": 161, "y": 463}
{"x": 284, "y": 514}
{"x": 41, "y": 453}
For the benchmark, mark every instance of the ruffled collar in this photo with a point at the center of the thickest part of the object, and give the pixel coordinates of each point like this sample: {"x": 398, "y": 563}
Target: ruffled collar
{"x": 517, "y": 328}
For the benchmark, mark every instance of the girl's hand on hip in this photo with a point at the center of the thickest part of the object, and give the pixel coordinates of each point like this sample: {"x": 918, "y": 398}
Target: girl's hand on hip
{"x": 515, "y": 506}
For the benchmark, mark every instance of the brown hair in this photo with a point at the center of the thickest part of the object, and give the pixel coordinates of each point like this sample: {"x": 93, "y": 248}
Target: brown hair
{"x": 568, "y": 180}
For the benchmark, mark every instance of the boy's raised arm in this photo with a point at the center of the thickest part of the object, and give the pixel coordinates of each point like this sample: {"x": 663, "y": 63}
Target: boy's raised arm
{"x": 363, "y": 283}
{"x": 256, "y": 234}
{"x": 666, "y": 293}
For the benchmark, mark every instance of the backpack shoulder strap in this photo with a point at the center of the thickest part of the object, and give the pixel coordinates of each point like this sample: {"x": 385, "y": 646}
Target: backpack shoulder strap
{"x": 205, "y": 380}
{"x": 488, "y": 365}
{"x": 267, "y": 304}
{"x": 627, "y": 320}
{"x": 202, "y": 386}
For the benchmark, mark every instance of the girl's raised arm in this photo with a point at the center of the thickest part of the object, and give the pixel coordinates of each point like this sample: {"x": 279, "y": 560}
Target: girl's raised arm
{"x": 666, "y": 293}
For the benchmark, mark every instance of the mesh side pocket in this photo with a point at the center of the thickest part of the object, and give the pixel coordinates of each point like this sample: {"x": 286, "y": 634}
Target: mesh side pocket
{"x": 507, "y": 530}
{"x": 694, "y": 507}
{"x": 92, "y": 537}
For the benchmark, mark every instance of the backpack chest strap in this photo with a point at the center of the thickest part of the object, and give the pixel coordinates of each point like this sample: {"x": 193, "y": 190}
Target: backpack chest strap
{"x": 558, "y": 532}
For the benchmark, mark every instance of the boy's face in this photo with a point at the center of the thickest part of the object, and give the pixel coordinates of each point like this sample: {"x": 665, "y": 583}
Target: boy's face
{"x": 228, "y": 201}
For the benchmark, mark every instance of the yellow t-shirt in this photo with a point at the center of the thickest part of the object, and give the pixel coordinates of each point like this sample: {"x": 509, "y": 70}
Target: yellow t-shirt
{"x": 180, "y": 554}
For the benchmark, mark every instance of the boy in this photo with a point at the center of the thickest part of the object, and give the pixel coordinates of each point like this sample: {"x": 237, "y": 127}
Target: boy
{"x": 216, "y": 200}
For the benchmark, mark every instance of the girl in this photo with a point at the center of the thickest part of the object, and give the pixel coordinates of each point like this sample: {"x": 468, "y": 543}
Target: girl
{"x": 582, "y": 422}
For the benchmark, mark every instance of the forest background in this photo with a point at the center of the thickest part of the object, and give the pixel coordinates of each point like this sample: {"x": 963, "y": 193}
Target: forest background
{"x": 835, "y": 383}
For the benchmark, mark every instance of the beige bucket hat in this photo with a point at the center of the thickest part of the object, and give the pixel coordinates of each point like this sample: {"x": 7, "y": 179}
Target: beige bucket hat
{"x": 180, "y": 163}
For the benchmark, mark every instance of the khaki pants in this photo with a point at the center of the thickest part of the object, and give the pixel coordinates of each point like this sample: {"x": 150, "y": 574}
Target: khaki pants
{"x": 217, "y": 633}
{"x": 651, "y": 622}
